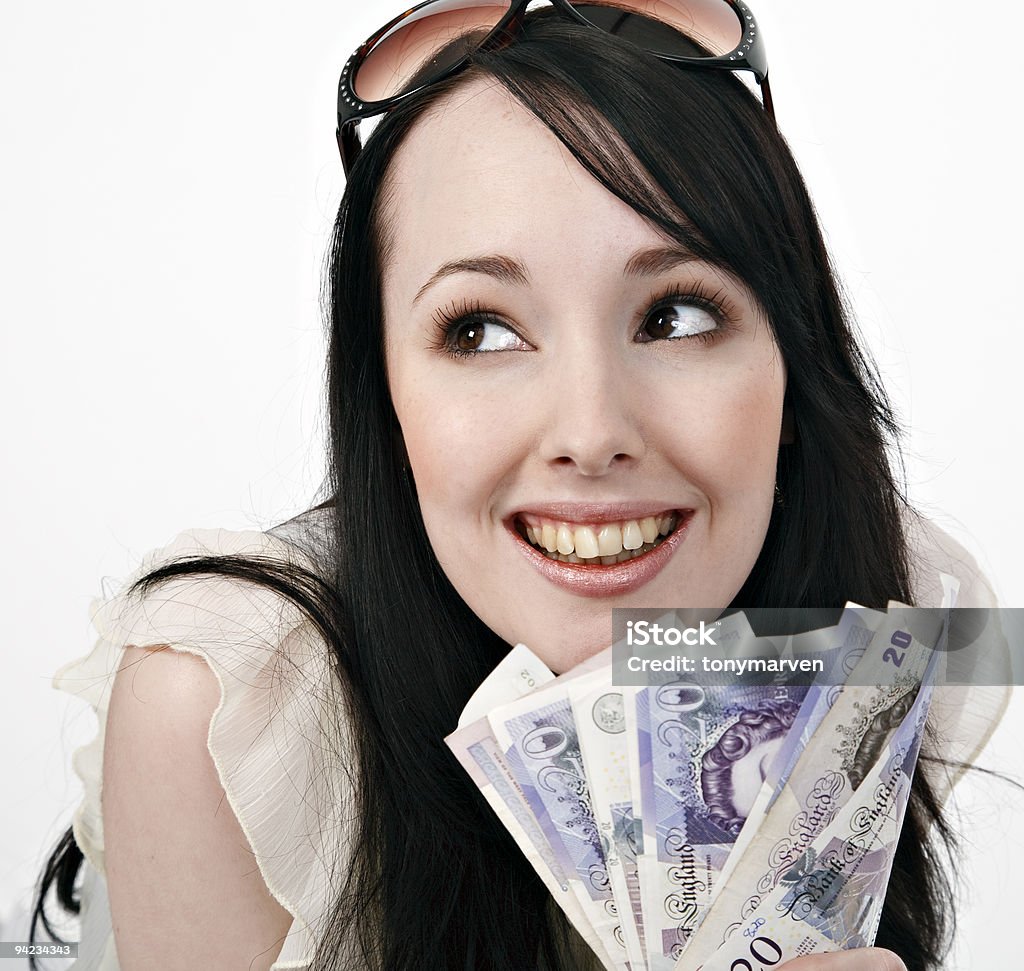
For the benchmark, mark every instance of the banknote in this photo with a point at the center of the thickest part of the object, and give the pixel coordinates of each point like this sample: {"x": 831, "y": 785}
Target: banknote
{"x": 599, "y": 711}
{"x": 832, "y": 765}
{"x": 831, "y": 897}
{"x": 841, "y": 648}
{"x": 702, "y": 753}
{"x": 518, "y": 673}
{"x": 538, "y": 740}
{"x": 478, "y": 753}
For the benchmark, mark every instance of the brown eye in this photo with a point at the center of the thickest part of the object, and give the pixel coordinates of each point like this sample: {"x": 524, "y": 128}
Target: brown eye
{"x": 481, "y": 335}
{"x": 675, "y": 320}
{"x": 469, "y": 337}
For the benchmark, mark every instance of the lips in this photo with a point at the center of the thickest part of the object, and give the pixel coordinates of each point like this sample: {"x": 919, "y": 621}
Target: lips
{"x": 594, "y": 512}
{"x": 600, "y": 577}
{"x": 595, "y": 542}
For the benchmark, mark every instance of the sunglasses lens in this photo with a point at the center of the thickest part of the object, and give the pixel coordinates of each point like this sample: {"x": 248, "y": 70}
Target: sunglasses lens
{"x": 681, "y": 28}
{"x": 410, "y": 54}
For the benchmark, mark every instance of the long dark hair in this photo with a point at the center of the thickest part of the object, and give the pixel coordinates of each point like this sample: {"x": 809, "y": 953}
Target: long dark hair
{"x": 436, "y": 881}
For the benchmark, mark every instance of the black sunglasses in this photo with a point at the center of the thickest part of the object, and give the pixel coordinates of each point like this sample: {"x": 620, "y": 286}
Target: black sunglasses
{"x": 434, "y": 40}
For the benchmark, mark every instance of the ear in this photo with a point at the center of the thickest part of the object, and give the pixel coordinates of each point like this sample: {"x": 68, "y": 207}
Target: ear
{"x": 787, "y": 434}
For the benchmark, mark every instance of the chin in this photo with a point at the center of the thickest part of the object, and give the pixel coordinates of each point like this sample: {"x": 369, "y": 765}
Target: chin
{"x": 563, "y": 655}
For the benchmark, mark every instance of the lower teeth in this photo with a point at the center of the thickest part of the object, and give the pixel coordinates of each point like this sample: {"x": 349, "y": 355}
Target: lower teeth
{"x": 605, "y": 560}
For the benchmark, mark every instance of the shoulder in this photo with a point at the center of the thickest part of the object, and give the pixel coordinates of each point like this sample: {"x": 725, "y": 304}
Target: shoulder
{"x": 208, "y": 598}
{"x": 934, "y": 552}
{"x": 181, "y": 876}
{"x": 215, "y": 640}
{"x": 962, "y": 717}
{"x": 213, "y": 690}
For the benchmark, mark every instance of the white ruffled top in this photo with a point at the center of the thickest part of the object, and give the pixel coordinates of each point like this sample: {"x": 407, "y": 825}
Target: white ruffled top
{"x": 277, "y": 737}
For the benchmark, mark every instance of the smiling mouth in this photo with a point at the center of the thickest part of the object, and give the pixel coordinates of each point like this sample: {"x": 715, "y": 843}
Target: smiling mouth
{"x": 605, "y": 544}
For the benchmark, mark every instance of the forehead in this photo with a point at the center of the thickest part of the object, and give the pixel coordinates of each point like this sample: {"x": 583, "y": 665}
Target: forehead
{"x": 479, "y": 173}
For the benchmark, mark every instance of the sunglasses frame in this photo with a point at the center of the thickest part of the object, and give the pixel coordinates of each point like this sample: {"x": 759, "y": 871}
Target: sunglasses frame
{"x": 749, "y": 55}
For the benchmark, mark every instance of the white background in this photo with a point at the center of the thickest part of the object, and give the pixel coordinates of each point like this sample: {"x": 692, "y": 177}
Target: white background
{"x": 168, "y": 177}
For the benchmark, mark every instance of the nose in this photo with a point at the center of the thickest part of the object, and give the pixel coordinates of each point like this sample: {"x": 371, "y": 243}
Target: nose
{"x": 593, "y": 422}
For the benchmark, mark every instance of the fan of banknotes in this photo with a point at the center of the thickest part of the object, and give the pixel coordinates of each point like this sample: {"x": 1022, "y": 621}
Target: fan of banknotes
{"x": 715, "y": 824}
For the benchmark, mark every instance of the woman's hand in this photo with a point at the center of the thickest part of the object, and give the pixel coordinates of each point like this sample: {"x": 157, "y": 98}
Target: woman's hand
{"x": 857, "y": 959}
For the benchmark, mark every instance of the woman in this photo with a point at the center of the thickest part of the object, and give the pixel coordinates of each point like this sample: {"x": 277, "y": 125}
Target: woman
{"x": 614, "y": 314}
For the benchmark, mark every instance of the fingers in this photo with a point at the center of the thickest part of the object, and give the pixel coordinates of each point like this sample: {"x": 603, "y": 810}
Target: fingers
{"x": 858, "y": 959}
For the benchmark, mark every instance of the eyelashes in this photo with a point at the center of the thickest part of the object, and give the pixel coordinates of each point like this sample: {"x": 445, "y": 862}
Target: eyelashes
{"x": 462, "y": 328}
{"x": 715, "y": 303}
{"x": 470, "y": 316}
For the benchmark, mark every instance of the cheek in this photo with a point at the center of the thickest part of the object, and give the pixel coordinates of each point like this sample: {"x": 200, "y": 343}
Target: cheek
{"x": 751, "y": 425}
{"x": 455, "y": 440}
{"x": 726, "y": 434}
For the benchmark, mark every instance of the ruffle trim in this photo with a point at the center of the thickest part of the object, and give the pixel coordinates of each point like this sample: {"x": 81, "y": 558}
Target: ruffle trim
{"x": 962, "y": 717}
{"x": 277, "y": 737}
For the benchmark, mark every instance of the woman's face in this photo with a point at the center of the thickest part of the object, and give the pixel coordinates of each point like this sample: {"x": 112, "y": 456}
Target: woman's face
{"x": 556, "y": 363}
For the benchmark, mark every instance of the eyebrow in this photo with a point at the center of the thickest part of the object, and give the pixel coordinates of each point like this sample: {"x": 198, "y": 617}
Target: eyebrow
{"x": 508, "y": 270}
{"x": 504, "y": 268}
{"x": 658, "y": 259}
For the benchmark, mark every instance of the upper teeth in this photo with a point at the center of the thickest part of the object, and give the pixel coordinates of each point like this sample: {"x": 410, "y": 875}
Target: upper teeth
{"x": 604, "y": 539}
